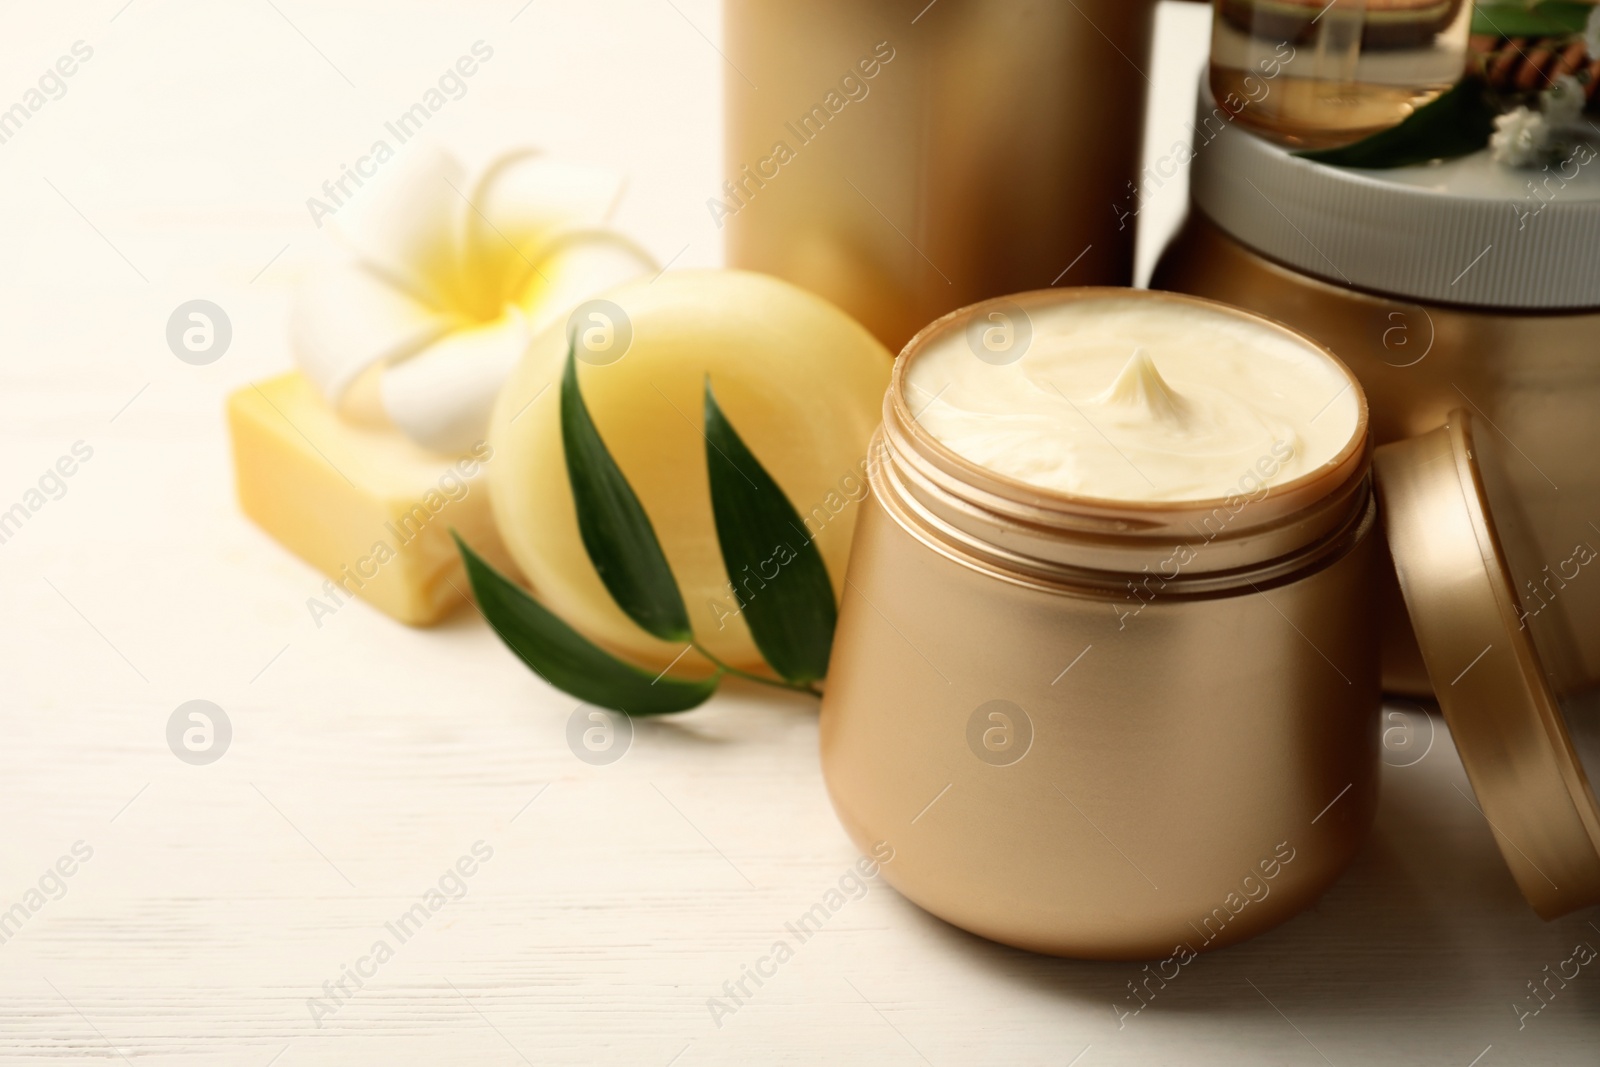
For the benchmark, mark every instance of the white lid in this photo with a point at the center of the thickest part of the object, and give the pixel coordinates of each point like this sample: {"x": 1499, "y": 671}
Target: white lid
{"x": 1466, "y": 231}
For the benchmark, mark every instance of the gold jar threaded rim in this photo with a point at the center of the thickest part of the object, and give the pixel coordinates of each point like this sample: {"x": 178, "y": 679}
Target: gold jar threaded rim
{"x": 1029, "y": 532}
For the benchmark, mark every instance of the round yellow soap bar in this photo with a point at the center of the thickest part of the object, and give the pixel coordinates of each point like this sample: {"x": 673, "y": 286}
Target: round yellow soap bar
{"x": 800, "y": 381}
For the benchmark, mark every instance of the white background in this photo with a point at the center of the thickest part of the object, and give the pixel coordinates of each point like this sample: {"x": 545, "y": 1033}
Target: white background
{"x": 368, "y": 757}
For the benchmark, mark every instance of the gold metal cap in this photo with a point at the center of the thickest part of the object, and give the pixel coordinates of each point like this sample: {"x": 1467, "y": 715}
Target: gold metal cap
{"x": 1494, "y": 658}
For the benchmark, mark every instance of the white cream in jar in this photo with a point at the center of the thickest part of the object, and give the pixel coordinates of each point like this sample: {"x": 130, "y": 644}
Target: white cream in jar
{"x": 1133, "y": 400}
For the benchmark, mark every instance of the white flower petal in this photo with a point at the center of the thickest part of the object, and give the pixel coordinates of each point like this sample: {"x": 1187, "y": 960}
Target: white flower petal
{"x": 441, "y": 397}
{"x": 406, "y": 224}
{"x": 345, "y": 319}
{"x": 579, "y": 264}
{"x": 520, "y": 200}
{"x": 431, "y": 255}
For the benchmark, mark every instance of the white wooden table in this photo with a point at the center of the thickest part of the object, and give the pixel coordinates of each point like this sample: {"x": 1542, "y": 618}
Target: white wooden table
{"x": 368, "y": 759}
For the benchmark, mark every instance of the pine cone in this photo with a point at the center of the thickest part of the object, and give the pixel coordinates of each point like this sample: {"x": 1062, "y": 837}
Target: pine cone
{"x": 1531, "y": 64}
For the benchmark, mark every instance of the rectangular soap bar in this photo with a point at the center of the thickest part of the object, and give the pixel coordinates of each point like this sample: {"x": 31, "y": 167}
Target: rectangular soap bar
{"x": 368, "y": 508}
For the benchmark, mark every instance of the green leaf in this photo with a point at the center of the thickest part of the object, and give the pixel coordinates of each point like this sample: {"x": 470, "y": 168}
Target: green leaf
{"x": 1457, "y": 123}
{"x": 777, "y": 573}
{"x": 565, "y": 658}
{"x": 1549, "y": 19}
{"x": 616, "y": 532}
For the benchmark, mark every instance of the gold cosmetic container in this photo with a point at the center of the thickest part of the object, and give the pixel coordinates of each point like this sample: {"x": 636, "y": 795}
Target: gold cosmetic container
{"x": 1524, "y": 716}
{"x": 1532, "y": 375}
{"x": 1097, "y": 728}
{"x": 903, "y": 158}
{"x": 1120, "y": 730}
{"x": 1465, "y": 284}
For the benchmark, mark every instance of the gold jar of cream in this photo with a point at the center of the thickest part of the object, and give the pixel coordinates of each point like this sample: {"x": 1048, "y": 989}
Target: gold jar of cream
{"x": 1104, "y": 674}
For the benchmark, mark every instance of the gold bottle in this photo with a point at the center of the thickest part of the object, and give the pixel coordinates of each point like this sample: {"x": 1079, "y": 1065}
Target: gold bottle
{"x": 905, "y": 158}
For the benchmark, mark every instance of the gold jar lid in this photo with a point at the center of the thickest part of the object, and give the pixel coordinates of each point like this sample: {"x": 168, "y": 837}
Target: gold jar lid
{"x": 1490, "y": 622}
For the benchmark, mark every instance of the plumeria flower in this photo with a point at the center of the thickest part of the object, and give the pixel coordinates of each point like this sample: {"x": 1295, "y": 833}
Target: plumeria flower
{"x": 444, "y": 279}
{"x": 1521, "y": 137}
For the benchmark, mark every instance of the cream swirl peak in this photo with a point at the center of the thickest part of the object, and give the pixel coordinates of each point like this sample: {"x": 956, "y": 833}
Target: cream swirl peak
{"x": 1133, "y": 400}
